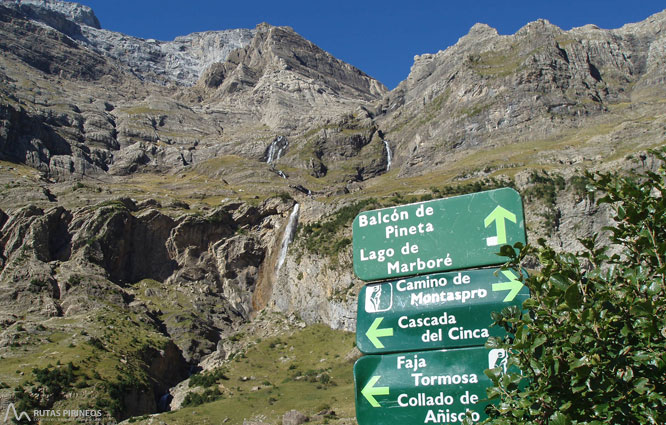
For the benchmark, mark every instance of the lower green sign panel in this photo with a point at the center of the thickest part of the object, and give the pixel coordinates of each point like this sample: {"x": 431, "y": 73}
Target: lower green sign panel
{"x": 430, "y": 387}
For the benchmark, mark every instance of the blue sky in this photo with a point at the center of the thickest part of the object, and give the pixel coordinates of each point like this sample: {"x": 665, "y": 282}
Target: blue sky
{"x": 379, "y": 37}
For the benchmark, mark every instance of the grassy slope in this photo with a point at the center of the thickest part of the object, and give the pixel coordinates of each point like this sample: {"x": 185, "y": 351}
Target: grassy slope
{"x": 280, "y": 374}
{"x": 105, "y": 346}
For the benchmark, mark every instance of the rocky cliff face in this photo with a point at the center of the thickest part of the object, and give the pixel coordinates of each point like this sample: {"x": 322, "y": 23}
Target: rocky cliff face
{"x": 279, "y": 67}
{"x": 537, "y": 84}
{"x": 189, "y": 279}
{"x": 123, "y": 103}
{"x": 180, "y": 61}
{"x": 215, "y": 260}
{"x": 49, "y": 11}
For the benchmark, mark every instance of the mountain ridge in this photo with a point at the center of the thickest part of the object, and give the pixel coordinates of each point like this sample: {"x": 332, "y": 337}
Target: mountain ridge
{"x": 498, "y": 81}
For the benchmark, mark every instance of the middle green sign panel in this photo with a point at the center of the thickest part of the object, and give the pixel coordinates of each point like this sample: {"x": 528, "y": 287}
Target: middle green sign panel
{"x": 442, "y": 310}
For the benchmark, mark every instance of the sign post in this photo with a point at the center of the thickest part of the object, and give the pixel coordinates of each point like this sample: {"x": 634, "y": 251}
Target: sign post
{"x": 442, "y": 310}
{"x": 414, "y": 317}
{"x": 443, "y": 234}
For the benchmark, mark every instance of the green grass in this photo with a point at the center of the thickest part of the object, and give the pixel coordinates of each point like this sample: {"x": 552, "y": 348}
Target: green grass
{"x": 107, "y": 348}
{"x": 306, "y": 371}
{"x": 497, "y": 64}
{"x": 475, "y": 110}
{"x": 142, "y": 110}
{"x": 432, "y": 109}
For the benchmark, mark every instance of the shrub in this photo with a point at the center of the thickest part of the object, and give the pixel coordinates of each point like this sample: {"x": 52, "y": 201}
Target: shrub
{"x": 285, "y": 197}
{"x": 236, "y": 337}
{"x": 37, "y": 284}
{"x": 55, "y": 381}
{"x": 97, "y": 343}
{"x": 472, "y": 187}
{"x": 592, "y": 345}
{"x": 544, "y": 187}
{"x": 195, "y": 399}
{"x": 207, "y": 379}
{"x": 322, "y": 237}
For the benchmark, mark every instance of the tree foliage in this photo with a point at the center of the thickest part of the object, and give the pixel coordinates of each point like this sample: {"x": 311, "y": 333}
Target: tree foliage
{"x": 591, "y": 341}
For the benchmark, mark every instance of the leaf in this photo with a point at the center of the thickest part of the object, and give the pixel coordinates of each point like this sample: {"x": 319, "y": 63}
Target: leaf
{"x": 625, "y": 331}
{"x": 494, "y": 342}
{"x": 559, "y": 419}
{"x": 573, "y": 297}
{"x": 494, "y": 374}
{"x": 578, "y": 389}
{"x": 539, "y": 341}
{"x": 642, "y": 356}
{"x": 493, "y": 392}
{"x": 507, "y": 251}
{"x": 559, "y": 281}
{"x": 654, "y": 288}
{"x": 583, "y": 361}
{"x": 642, "y": 385}
{"x": 530, "y": 303}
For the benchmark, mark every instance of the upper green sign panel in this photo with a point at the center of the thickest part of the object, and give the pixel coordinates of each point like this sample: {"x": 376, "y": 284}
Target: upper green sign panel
{"x": 443, "y": 234}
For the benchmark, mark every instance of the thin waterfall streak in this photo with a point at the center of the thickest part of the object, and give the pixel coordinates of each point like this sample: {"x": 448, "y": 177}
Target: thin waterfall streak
{"x": 288, "y": 236}
{"x": 388, "y": 155}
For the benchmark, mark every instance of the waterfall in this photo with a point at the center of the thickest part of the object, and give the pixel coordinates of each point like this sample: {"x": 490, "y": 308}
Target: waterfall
{"x": 281, "y": 174}
{"x": 165, "y": 401}
{"x": 276, "y": 148}
{"x": 271, "y": 151}
{"x": 388, "y": 155}
{"x": 288, "y": 235}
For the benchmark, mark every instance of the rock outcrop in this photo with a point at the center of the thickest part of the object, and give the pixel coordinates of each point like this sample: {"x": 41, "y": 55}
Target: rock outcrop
{"x": 280, "y": 68}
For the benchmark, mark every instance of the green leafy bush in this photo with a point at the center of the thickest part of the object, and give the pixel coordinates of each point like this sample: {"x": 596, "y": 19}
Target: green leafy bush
{"x": 55, "y": 381}
{"x": 207, "y": 379}
{"x": 488, "y": 183}
{"x": 50, "y": 385}
{"x": 544, "y": 186}
{"x": 195, "y": 399}
{"x": 592, "y": 343}
{"x": 117, "y": 391}
{"x": 322, "y": 238}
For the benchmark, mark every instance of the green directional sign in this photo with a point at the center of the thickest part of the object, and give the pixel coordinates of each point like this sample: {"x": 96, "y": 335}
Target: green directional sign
{"x": 443, "y": 234}
{"x": 429, "y": 387}
{"x": 441, "y": 310}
